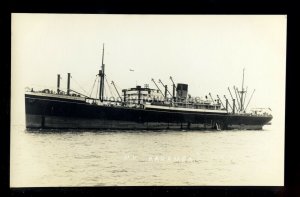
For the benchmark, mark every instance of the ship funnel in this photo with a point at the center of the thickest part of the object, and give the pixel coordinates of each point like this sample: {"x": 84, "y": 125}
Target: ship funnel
{"x": 181, "y": 90}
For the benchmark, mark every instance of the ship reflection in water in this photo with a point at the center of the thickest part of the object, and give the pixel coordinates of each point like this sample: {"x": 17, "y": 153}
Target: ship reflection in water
{"x": 87, "y": 158}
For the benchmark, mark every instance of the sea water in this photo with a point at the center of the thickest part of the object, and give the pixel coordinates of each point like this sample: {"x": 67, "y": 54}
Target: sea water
{"x": 134, "y": 158}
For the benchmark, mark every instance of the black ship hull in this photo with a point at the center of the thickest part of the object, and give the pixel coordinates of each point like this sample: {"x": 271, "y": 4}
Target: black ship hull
{"x": 57, "y": 113}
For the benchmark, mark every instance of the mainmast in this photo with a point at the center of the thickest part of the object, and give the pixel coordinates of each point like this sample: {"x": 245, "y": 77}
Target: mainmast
{"x": 242, "y": 93}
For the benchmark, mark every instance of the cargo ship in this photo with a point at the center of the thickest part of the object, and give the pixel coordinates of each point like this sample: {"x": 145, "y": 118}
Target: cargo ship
{"x": 140, "y": 108}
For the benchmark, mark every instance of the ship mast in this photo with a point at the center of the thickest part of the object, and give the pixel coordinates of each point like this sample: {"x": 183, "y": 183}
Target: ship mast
{"x": 242, "y": 93}
{"x": 102, "y": 75}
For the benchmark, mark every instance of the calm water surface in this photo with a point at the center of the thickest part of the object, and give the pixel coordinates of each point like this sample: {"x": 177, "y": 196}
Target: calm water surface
{"x": 89, "y": 158}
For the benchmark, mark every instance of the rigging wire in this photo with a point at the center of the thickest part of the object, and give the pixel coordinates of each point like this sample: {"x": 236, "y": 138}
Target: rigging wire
{"x": 38, "y": 86}
{"x": 93, "y": 87}
{"x": 105, "y": 92}
{"x": 118, "y": 88}
{"x": 245, "y": 97}
{"x": 114, "y": 93}
{"x": 97, "y": 88}
{"x": 249, "y": 100}
{"x": 78, "y": 84}
{"x": 109, "y": 88}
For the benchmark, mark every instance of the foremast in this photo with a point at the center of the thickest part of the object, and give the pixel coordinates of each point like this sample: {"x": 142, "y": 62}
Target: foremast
{"x": 102, "y": 76}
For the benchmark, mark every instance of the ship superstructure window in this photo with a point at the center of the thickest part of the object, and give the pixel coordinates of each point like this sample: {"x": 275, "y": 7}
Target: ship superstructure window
{"x": 138, "y": 95}
{"x": 142, "y": 95}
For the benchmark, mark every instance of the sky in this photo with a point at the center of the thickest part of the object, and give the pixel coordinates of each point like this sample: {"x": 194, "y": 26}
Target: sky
{"x": 208, "y": 52}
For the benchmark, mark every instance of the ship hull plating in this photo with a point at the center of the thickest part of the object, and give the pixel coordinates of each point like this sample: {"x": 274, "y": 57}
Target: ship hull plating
{"x": 50, "y": 113}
